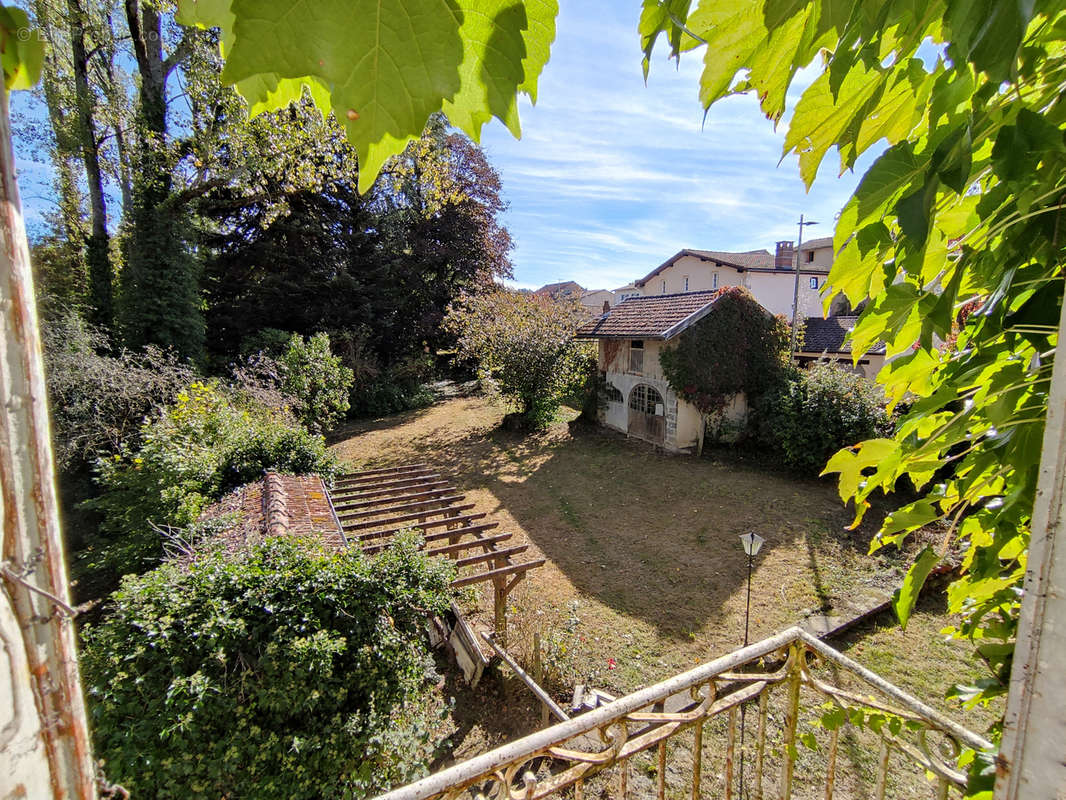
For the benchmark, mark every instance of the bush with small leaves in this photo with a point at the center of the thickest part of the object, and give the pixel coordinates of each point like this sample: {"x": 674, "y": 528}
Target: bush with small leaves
{"x": 283, "y": 671}
{"x": 100, "y": 397}
{"x": 524, "y": 348}
{"x": 816, "y": 412}
{"x": 188, "y": 455}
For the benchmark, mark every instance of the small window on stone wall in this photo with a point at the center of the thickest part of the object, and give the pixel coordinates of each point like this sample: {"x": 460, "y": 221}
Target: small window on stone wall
{"x": 636, "y": 356}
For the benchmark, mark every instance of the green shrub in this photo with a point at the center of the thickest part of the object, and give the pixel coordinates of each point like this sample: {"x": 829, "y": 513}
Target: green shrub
{"x": 316, "y": 380}
{"x": 401, "y": 387}
{"x": 190, "y": 454}
{"x": 280, "y": 672}
{"x": 817, "y": 411}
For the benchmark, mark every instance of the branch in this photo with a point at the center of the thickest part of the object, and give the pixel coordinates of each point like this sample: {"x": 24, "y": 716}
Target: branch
{"x": 183, "y": 49}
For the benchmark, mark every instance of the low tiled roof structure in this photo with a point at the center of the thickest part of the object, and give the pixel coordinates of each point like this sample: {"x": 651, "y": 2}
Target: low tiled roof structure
{"x": 658, "y": 317}
{"x": 817, "y": 244}
{"x": 830, "y": 335}
{"x": 277, "y": 505}
{"x": 747, "y": 258}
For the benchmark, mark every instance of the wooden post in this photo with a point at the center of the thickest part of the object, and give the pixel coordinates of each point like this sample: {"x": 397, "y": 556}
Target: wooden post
{"x": 791, "y": 719}
{"x": 1030, "y": 758}
{"x": 44, "y": 735}
{"x": 538, "y": 675}
{"x": 499, "y": 592}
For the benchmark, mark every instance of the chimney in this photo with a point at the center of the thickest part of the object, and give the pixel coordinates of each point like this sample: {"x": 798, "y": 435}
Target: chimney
{"x": 606, "y": 306}
{"x": 785, "y": 253}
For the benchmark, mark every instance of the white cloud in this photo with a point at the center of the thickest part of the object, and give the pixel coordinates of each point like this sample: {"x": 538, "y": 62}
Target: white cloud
{"x": 613, "y": 176}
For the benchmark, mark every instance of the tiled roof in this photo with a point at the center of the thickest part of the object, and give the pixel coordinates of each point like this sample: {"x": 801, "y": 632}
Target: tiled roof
{"x": 657, "y": 317}
{"x": 748, "y": 258}
{"x": 563, "y": 287}
{"x": 829, "y": 335}
{"x": 278, "y": 505}
{"x": 815, "y": 244}
{"x": 745, "y": 260}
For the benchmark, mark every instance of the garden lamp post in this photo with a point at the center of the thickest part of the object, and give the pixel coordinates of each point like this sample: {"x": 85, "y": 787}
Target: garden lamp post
{"x": 751, "y": 542}
{"x": 795, "y": 301}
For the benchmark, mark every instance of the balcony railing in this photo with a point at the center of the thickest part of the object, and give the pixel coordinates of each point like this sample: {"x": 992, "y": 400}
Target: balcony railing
{"x": 820, "y": 725}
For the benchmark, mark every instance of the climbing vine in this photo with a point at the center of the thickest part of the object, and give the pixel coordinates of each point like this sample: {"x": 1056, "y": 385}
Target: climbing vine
{"x": 739, "y": 347}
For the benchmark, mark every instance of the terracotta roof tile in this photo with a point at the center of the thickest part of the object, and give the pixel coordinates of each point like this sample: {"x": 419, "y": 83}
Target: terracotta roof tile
{"x": 747, "y": 258}
{"x": 816, "y": 244}
{"x": 278, "y": 505}
{"x": 655, "y": 317}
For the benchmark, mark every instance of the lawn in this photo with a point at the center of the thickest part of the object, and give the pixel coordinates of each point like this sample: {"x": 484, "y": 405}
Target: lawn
{"x": 645, "y": 573}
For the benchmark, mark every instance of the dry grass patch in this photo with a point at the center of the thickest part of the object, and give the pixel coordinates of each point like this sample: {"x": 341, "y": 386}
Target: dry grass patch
{"x": 645, "y": 573}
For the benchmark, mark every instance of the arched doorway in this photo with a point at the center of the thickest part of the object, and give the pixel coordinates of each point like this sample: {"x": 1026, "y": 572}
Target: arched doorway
{"x": 647, "y": 414}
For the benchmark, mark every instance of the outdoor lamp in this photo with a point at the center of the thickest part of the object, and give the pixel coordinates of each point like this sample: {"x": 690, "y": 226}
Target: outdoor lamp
{"x": 751, "y": 542}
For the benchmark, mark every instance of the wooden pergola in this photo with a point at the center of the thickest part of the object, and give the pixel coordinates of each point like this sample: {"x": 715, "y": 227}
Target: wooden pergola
{"x": 374, "y": 505}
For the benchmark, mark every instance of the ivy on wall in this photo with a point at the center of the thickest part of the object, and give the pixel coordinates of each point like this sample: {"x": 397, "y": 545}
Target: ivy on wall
{"x": 739, "y": 347}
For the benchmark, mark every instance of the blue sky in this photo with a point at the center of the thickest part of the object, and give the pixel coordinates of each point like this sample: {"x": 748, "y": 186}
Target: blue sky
{"x": 611, "y": 177}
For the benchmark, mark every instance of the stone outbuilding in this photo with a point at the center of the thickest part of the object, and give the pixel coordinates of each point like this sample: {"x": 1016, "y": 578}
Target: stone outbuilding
{"x": 640, "y": 401}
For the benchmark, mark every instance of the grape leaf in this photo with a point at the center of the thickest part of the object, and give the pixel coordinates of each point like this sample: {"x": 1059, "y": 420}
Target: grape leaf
{"x": 907, "y": 595}
{"x": 384, "y": 67}
{"x": 506, "y": 46}
{"x": 821, "y": 118}
{"x": 663, "y": 16}
{"x": 738, "y": 31}
{"x": 21, "y": 55}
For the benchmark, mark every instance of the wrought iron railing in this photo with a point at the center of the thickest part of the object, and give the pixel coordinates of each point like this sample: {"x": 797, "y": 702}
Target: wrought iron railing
{"x": 689, "y": 736}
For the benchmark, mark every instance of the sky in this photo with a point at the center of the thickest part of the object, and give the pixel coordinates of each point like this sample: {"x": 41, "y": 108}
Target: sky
{"x": 612, "y": 177}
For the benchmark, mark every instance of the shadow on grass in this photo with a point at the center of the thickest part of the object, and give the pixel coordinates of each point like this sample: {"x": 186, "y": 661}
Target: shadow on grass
{"x": 652, "y": 535}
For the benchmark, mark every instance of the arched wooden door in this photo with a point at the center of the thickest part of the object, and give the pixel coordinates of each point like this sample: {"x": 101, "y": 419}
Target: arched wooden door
{"x": 647, "y": 414}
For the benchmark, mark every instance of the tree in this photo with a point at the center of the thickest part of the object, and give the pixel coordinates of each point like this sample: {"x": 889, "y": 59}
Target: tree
{"x": 953, "y": 234}
{"x": 161, "y": 281}
{"x": 292, "y": 245}
{"x": 525, "y": 345}
{"x": 79, "y": 39}
{"x": 739, "y": 347}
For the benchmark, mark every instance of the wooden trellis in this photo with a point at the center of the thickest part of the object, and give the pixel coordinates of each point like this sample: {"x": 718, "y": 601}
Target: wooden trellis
{"x": 374, "y": 505}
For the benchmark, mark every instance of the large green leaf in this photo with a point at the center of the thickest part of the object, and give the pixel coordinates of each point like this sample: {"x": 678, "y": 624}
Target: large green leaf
{"x": 658, "y": 17}
{"x": 822, "y": 117}
{"x": 738, "y": 31}
{"x": 907, "y": 595}
{"x": 21, "y": 55}
{"x": 506, "y": 46}
{"x": 386, "y": 65}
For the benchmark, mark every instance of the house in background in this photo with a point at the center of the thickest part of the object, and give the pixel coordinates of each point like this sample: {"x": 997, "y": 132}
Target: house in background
{"x": 594, "y": 300}
{"x": 640, "y": 402}
{"x": 563, "y": 289}
{"x": 827, "y": 340}
{"x": 627, "y": 291}
{"x": 769, "y": 277}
